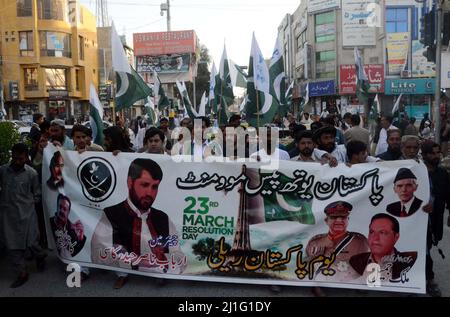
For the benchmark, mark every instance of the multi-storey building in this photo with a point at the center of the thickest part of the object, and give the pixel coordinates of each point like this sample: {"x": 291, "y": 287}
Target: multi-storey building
{"x": 387, "y": 34}
{"x": 48, "y": 58}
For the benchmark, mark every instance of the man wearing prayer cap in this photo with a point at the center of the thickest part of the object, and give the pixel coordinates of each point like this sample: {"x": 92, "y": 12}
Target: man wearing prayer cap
{"x": 405, "y": 184}
{"x": 338, "y": 240}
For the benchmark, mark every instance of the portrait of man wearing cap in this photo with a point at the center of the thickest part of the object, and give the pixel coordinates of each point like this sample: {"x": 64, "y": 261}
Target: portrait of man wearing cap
{"x": 338, "y": 240}
{"x": 405, "y": 184}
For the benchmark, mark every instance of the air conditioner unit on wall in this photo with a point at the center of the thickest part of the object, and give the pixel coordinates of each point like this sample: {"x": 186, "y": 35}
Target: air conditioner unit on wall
{"x": 405, "y": 74}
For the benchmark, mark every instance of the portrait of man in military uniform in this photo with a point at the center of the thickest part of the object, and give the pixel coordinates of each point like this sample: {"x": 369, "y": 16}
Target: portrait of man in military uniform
{"x": 405, "y": 185}
{"x": 337, "y": 240}
{"x": 384, "y": 232}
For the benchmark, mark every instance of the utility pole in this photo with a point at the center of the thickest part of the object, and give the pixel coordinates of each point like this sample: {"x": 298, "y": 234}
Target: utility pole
{"x": 166, "y": 7}
{"x": 437, "y": 93}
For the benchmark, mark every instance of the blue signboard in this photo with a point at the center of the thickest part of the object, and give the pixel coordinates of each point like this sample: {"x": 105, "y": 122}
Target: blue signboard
{"x": 417, "y": 86}
{"x": 322, "y": 88}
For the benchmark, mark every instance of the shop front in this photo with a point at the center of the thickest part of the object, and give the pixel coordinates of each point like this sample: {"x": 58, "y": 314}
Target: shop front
{"x": 323, "y": 96}
{"x": 347, "y": 86}
{"x": 58, "y": 106}
{"x": 417, "y": 94}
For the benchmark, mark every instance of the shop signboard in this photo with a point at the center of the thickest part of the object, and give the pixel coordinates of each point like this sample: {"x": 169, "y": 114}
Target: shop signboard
{"x": 415, "y": 86}
{"x": 322, "y": 88}
{"x": 347, "y": 78}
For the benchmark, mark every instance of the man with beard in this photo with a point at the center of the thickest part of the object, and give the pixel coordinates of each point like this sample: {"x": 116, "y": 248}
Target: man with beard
{"x": 393, "y": 152}
{"x": 410, "y": 147}
{"x": 132, "y": 234}
{"x": 305, "y": 146}
{"x": 19, "y": 191}
{"x": 56, "y": 165}
{"x": 440, "y": 189}
{"x": 58, "y": 135}
{"x": 325, "y": 138}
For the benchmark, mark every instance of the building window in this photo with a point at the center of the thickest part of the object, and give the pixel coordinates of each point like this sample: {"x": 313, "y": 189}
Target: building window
{"x": 81, "y": 47}
{"x": 301, "y": 40}
{"x": 26, "y": 43}
{"x": 56, "y": 78}
{"x": 325, "y": 56}
{"x": 55, "y": 44}
{"x": 53, "y": 10}
{"x": 396, "y": 20}
{"x": 325, "y": 27}
{"x": 24, "y": 8}
{"x": 81, "y": 16}
{"x": 325, "y": 64}
{"x": 31, "y": 78}
{"x": 77, "y": 80}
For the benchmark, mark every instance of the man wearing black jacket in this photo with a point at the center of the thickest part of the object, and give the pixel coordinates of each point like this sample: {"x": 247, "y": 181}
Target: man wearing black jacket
{"x": 393, "y": 152}
{"x": 133, "y": 234}
{"x": 440, "y": 189}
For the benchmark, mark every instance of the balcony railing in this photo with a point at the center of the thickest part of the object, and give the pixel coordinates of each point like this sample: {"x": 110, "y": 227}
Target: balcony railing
{"x": 56, "y": 53}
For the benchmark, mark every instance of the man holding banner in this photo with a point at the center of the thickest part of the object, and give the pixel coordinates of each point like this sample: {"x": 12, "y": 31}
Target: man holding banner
{"x": 133, "y": 234}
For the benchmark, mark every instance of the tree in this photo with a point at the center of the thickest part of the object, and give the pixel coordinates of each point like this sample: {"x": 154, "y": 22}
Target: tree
{"x": 207, "y": 246}
{"x": 8, "y": 137}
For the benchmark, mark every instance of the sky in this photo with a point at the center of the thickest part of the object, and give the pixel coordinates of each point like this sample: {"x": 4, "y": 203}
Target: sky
{"x": 215, "y": 21}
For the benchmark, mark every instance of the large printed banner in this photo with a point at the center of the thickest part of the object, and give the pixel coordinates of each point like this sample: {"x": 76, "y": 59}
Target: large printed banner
{"x": 162, "y": 43}
{"x": 356, "y": 29}
{"x": 347, "y": 78}
{"x": 397, "y": 45}
{"x": 300, "y": 224}
{"x": 172, "y": 63}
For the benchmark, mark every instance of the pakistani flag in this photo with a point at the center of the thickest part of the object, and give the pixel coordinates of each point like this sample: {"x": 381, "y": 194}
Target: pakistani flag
{"x": 225, "y": 91}
{"x": 238, "y": 76}
{"x": 375, "y": 109}
{"x": 362, "y": 82}
{"x": 213, "y": 89}
{"x": 152, "y": 113}
{"x": 159, "y": 93}
{"x": 192, "y": 113}
{"x": 96, "y": 116}
{"x": 288, "y": 95}
{"x": 130, "y": 86}
{"x": 397, "y": 104}
{"x": 287, "y": 206}
{"x": 261, "y": 106}
{"x": 202, "y": 106}
{"x": 277, "y": 75}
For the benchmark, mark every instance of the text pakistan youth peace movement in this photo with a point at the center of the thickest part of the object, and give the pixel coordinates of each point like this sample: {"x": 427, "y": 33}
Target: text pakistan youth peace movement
{"x": 130, "y": 234}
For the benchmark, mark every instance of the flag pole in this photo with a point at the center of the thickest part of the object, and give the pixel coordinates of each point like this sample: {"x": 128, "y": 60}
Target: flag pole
{"x": 220, "y": 105}
{"x": 257, "y": 109}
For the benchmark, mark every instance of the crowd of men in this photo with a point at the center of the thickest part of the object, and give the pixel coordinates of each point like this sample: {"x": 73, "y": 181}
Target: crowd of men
{"x": 326, "y": 140}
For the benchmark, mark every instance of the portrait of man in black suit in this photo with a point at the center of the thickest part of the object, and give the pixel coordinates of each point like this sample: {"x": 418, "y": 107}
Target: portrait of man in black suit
{"x": 69, "y": 237}
{"x": 135, "y": 235}
{"x": 384, "y": 232}
{"x": 405, "y": 185}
